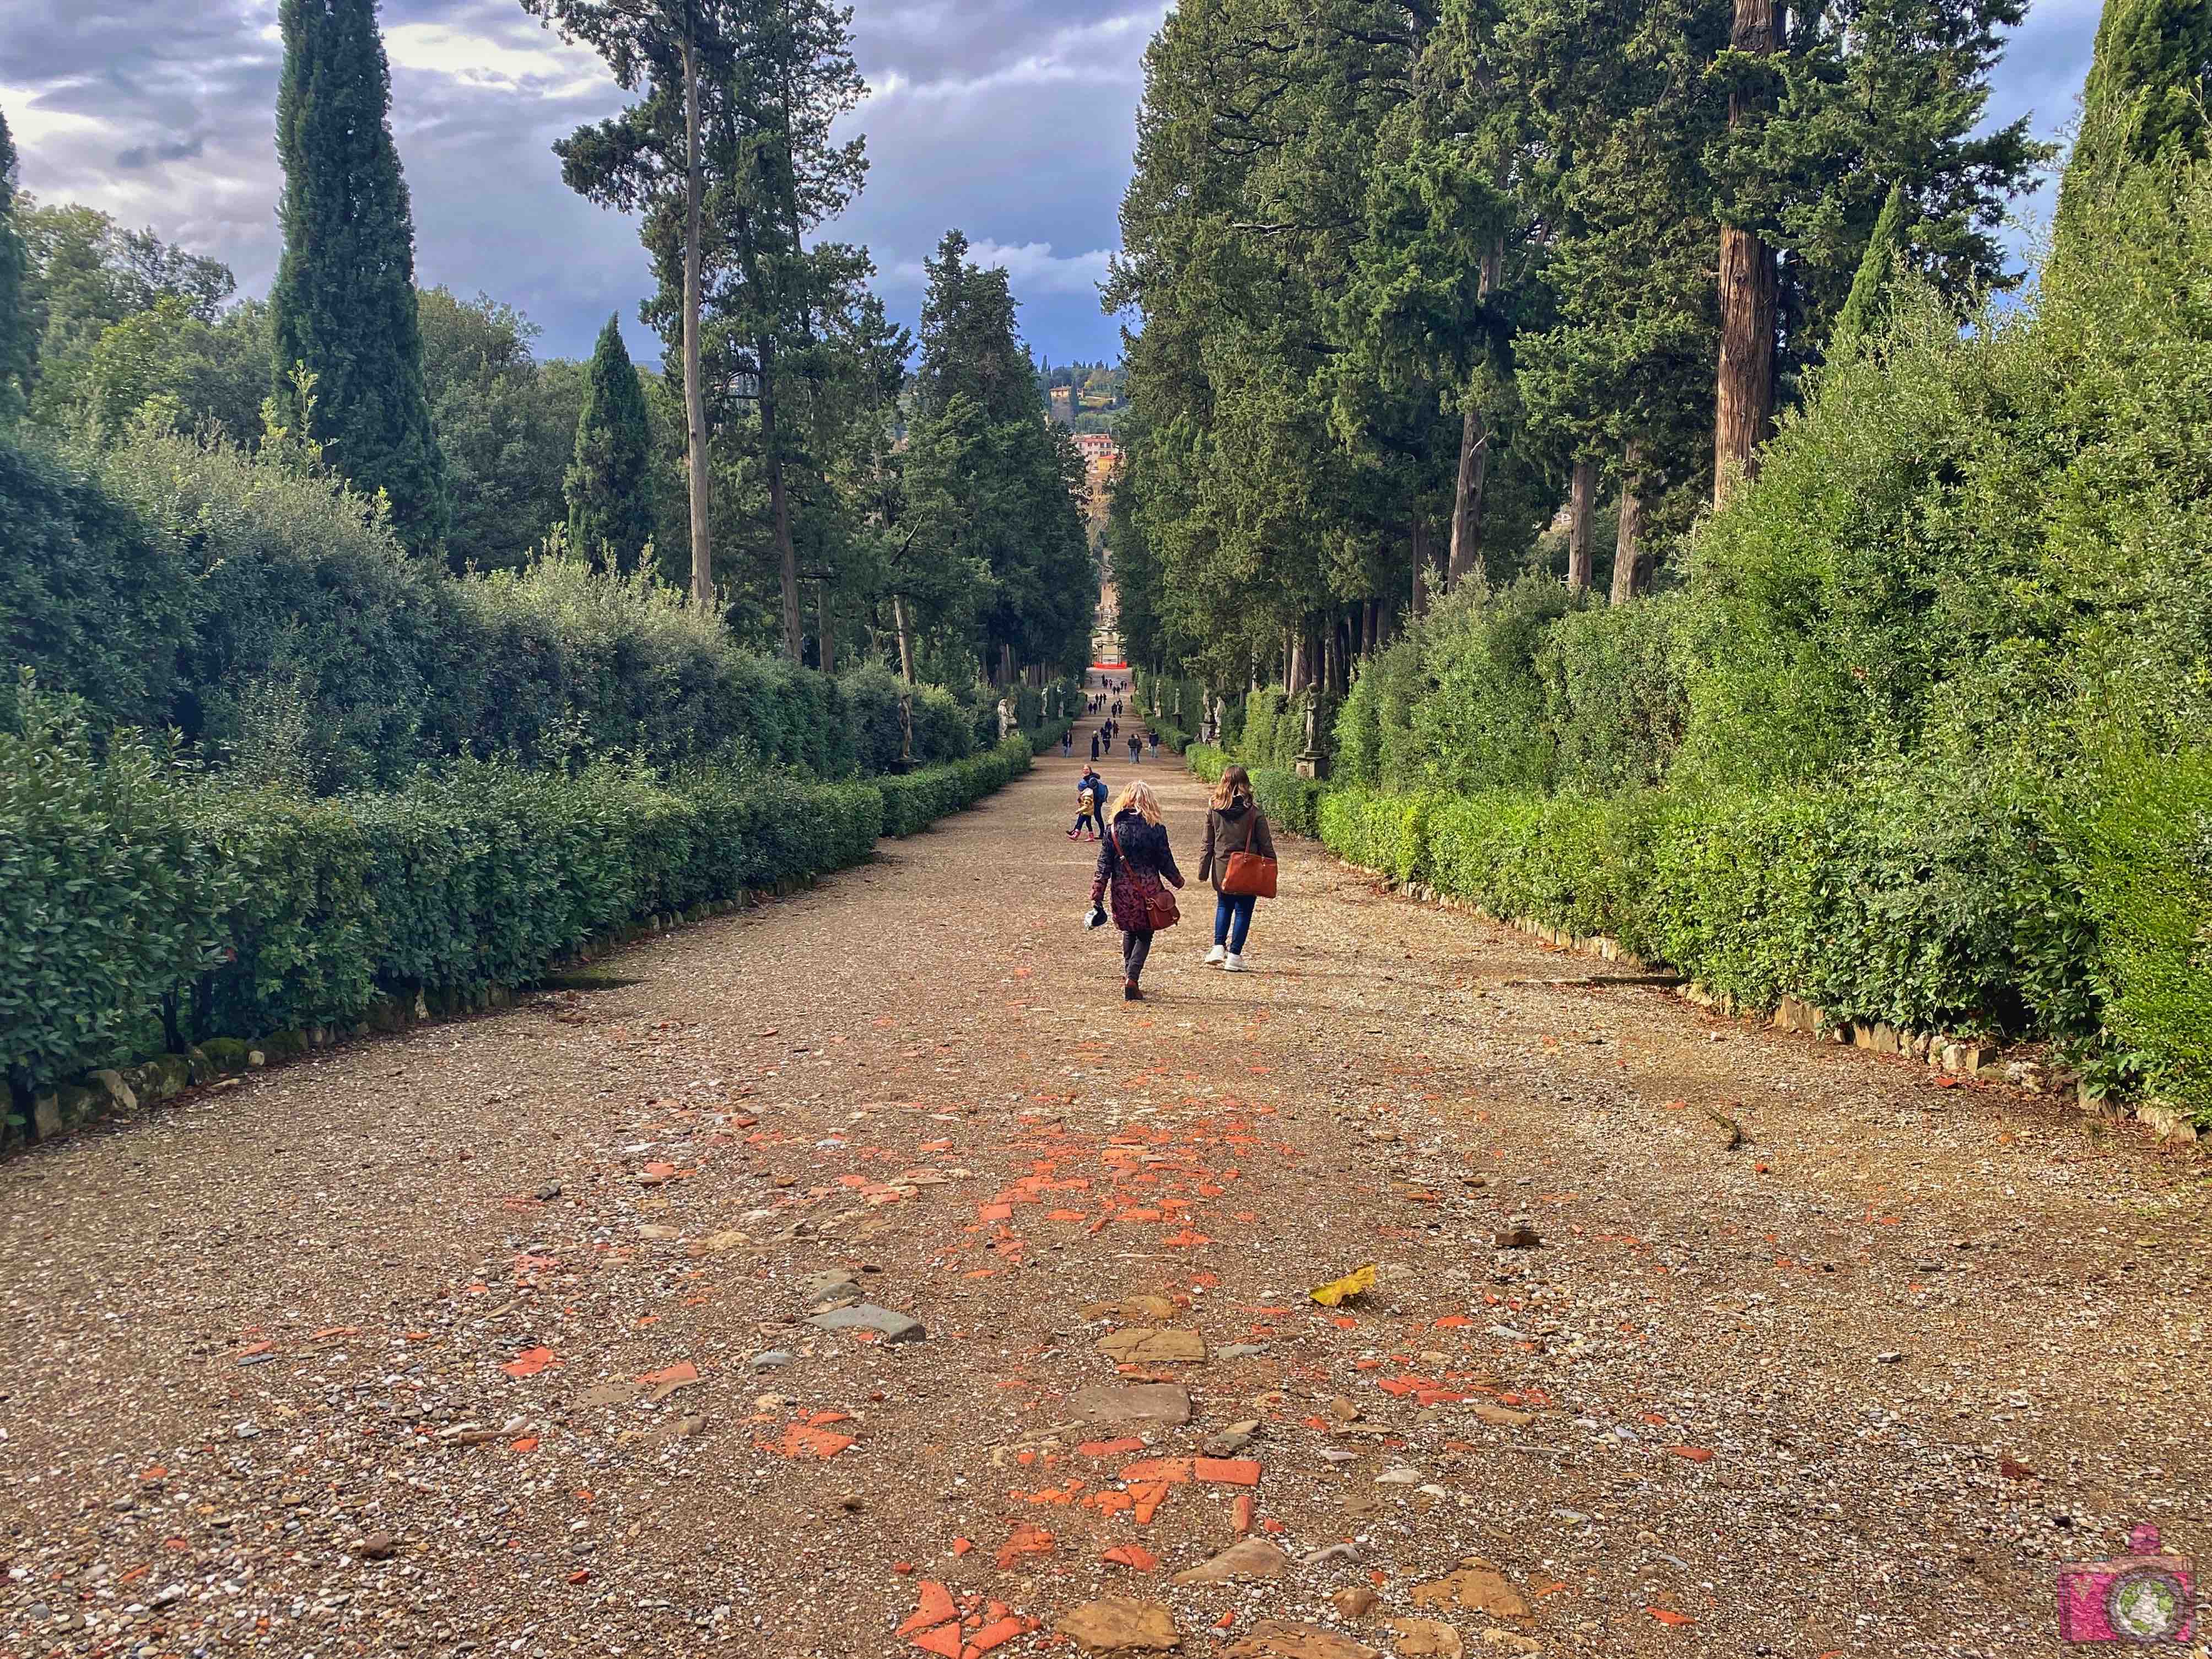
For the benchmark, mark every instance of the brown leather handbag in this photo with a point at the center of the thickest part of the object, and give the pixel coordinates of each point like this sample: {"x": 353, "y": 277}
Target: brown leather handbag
{"x": 1249, "y": 874}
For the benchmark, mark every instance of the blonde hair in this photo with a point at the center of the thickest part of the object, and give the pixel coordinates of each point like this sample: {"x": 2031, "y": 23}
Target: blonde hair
{"x": 1139, "y": 798}
{"x": 1236, "y": 784}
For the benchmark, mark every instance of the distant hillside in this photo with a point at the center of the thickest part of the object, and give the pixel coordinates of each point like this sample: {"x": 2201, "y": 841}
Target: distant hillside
{"x": 1084, "y": 397}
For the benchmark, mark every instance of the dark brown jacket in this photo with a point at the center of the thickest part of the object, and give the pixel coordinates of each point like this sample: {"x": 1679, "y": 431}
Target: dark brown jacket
{"x": 1227, "y": 829}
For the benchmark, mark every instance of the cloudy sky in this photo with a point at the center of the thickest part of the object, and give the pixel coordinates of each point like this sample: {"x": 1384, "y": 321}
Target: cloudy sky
{"x": 1013, "y": 119}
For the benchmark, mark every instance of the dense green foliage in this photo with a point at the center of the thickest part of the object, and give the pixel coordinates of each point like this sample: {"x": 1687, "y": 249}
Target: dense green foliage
{"x": 506, "y": 425}
{"x": 17, "y": 346}
{"x": 343, "y": 304}
{"x": 87, "y": 279}
{"x": 1919, "y": 910}
{"x": 106, "y": 895}
{"x": 282, "y": 628}
{"x": 89, "y": 594}
{"x": 1407, "y": 273}
{"x": 145, "y": 906}
{"x": 914, "y": 800}
{"x": 2146, "y": 845}
{"x": 991, "y": 485}
{"x": 1920, "y": 739}
{"x": 608, "y": 484}
{"x": 2145, "y": 105}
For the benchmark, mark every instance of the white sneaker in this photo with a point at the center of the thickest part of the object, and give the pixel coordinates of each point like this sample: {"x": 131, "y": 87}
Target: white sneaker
{"x": 1234, "y": 964}
{"x": 1215, "y": 955}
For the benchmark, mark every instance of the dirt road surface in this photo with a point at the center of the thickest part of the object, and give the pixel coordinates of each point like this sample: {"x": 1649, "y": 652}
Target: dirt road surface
{"x": 495, "y": 1338}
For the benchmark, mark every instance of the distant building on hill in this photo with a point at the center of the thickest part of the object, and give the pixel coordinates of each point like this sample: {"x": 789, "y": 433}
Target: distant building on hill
{"x": 1098, "y": 447}
{"x": 1064, "y": 406}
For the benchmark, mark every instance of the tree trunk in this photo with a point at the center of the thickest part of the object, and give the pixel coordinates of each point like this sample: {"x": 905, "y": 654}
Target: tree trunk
{"x": 826, "y": 623}
{"x": 1581, "y": 501}
{"x": 1466, "y": 556}
{"x": 695, "y": 396}
{"x": 1418, "y": 533}
{"x": 1294, "y": 676}
{"x": 1627, "y": 554}
{"x": 1743, "y": 404}
{"x": 779, "y": 501}
{"x": 905, "y": 639}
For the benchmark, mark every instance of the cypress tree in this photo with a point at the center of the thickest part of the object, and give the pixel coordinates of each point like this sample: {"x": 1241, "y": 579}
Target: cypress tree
{"x": 1862, "y": 309}
{"x": 14, "y": 326}
{"x": 610, "y": 513}
{"x": 2144, "y": 101}
{"x": 343, "y": 302}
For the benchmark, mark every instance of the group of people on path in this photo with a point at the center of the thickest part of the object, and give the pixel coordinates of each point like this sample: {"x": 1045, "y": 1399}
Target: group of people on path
{"x": 1137, "y": 865}
{"x": 1102, "y": 740}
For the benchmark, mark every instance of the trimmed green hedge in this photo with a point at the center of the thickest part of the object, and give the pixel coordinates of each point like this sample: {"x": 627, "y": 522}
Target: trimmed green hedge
{"x": 2148, "y": 862}
{"x": 142, "y": 907}
{"x": 1290, "y": 801}
{"x": 275, "y": 623}
{"x": 1894, "y": 904}
{"x": 920, "y": 798}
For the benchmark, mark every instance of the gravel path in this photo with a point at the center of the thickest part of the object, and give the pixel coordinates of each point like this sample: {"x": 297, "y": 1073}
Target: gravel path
{"x": 492, "y": 1337}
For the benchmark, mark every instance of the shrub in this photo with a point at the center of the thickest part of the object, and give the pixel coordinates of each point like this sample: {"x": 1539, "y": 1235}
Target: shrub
{"x": 917, "y": 799}
{"x": 1615, "y": 700}
{"x": 872, "y": 699}
{"x": 1385, "y": 833}
{"x": 942, "y": 729}
{"x": 91, "y": 595}
{"x": 278, "y": 624}
{"x": 1206, "y": 760}
{"x": 2147, "y": 870}
{"x": 1290, "y": 802}
{"x": 1264, "y": 717}
{"x": 1884, "y": 903}
{"x": 107, "y": 898}
{"x": 141, "y": 907}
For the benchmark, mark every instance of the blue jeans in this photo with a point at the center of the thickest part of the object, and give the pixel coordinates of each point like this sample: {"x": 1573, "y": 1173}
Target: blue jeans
{"x": 1232, "y": 920}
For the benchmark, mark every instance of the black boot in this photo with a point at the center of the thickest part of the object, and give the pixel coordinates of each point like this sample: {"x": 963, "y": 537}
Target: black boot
{"x": 1130, "y": 993}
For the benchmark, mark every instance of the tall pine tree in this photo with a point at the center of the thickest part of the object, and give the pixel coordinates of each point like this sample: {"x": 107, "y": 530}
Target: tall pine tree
{"x": 610, "y": 503}
{"x": 15, "y": 321}
{"x": 343, "y": 303}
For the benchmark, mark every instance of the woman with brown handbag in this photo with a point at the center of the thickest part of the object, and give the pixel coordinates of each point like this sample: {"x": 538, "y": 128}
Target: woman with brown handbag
{"x": 1239, "y": 855}
{"x": 1136, "y": 859}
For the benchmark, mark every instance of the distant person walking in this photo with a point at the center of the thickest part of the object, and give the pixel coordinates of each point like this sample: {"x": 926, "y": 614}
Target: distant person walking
{"x": 1136, "y": 860}
{"x": 1094, "y": 749}
{"x": 1236, "y": 835}
{"x": 1136, "y": 750}
{"x": 1067, "y": 743}
{"x": 1153, "y": 738}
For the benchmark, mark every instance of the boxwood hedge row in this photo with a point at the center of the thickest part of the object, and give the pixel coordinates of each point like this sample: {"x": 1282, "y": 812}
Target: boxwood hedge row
{"x": 148, "y": 907}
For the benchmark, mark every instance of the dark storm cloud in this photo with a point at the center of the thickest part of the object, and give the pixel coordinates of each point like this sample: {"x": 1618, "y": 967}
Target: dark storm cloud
{"x": 1013, "y": 119}
{"x": 145, "y": 155}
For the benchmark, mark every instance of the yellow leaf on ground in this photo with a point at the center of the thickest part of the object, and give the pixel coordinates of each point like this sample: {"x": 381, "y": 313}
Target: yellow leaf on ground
{"x": 1337, "y": 1292}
